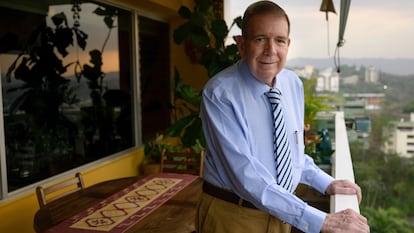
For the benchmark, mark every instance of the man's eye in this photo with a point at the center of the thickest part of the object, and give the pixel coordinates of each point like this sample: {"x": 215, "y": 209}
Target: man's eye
{"x": 260, "y": 39}
{"x": 281, "y": 41}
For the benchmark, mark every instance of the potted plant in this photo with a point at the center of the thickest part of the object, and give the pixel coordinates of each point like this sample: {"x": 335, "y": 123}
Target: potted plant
{"x": 317, "y": 144}
{"x": 152, "y": 155}
{"x": 154, "y": 148}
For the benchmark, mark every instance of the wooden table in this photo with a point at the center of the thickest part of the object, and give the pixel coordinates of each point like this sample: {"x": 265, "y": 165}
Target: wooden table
{"x": 175, "y": 216}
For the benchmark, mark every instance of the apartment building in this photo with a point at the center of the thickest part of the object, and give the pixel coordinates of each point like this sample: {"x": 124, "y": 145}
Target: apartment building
{"x": 327, "y": 81}
{"x": 400, "y": 138}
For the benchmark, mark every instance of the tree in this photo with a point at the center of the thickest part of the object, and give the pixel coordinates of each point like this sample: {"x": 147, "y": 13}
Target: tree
{"x": 387, "y": 220}
{"x": 314, "y": 103}
{"x": 409, "y": 108}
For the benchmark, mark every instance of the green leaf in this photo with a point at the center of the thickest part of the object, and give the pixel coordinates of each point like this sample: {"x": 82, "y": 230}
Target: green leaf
{"x": 178, "y": 127}
{"x": 203, "y": 5}
{"x": 192, "y": 131}
{"x": 238, "y": 21}
{"x": 214, "y": 61}
{"x": 207, "y": 57}
{"x": 232, "y": 53}
{"x": 81, "y": 38}
{"x": 100, "y": 11}
{"x": 181, "y": 33}
{"x": 109, "y": 22}
{"x": 199, "y": 37}
{"x": 184, "y": 12}
{"x": 189, "y": 94}
{"x": 59, "y": 18}
{"x": 198, "y": 20}
{"x": 219, "y": 30}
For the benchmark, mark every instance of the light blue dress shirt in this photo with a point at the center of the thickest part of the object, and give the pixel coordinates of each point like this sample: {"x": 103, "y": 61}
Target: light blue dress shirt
{"x": 237, "y": 123}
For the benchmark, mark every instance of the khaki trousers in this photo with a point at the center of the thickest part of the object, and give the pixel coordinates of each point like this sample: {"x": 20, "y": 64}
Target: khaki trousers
{"x": 217, "y": 216}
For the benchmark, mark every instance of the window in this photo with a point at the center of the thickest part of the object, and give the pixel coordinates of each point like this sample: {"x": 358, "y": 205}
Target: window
{"x": 405, "y": 128}
{"x": 67, "y": 92}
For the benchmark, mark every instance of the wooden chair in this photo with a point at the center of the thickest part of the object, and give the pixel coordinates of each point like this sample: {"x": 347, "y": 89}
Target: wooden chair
{"x": 59, "y": 190}
{"x": 182, "y": 162}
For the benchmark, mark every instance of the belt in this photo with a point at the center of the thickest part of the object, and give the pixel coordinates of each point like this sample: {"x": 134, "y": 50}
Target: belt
{"x": 225, "y": 195}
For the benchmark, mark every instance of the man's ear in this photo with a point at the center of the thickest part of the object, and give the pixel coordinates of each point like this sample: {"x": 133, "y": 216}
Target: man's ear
{"x": 240, "y": 44}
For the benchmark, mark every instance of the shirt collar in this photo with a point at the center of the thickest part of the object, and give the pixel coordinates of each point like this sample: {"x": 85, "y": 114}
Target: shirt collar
{"x": 257, "y": 88}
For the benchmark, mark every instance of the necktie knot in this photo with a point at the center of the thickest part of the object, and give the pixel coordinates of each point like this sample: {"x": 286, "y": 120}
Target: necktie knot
{"x": 274, "y": 95}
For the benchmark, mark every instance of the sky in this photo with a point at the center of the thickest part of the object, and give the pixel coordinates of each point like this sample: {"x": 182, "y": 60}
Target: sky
{"x": 375, "y": 28}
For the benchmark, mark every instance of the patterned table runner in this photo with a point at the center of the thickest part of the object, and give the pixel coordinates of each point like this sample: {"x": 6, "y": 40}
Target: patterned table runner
{"x": 119, "y": 212}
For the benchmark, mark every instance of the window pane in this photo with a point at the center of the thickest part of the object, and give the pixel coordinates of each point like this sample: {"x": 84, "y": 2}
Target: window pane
{"x": 66, "y": 79}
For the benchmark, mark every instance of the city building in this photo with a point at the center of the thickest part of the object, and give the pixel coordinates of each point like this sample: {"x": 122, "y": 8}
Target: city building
{"x": 400, "y": 138}
{"x": 327, "y": 81}
{"x": 371, "y": 75}
{"x": 372, "y": 100}
{"x": 306, "y": 72}
{"x": 350, "y": 80}
{"x": 357, "y": 122}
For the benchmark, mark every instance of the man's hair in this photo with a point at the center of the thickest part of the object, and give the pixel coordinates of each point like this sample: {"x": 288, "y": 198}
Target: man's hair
{"x": 261, "y": 8}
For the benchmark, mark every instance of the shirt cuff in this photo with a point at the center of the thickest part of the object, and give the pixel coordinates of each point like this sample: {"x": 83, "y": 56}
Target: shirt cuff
{"x": 322, "y": 181}
{"x": 311, "y": 220}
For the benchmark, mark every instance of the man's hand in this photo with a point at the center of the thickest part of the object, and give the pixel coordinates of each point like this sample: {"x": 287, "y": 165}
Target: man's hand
{"x": 344, "y": 187}
{"x": 345, "y": 221}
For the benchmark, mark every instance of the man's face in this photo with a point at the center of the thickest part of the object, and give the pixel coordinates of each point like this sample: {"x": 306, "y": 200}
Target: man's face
{"x": 265, "y": 46}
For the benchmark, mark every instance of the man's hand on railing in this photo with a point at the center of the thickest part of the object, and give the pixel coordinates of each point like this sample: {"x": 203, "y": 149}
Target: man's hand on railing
{"x": 344, "y": 187}
{"x": 345, "y": 221}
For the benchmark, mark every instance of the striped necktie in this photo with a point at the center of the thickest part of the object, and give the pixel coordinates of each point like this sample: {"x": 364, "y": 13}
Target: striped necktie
{"x": 281, "y": 147}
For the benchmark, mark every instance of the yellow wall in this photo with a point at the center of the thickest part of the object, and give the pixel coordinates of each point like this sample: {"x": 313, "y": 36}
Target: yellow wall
{"x": 16, "y": 216}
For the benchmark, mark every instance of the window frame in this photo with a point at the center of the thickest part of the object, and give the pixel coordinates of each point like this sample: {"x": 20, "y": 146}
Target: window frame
{"x": 5, "y": 195}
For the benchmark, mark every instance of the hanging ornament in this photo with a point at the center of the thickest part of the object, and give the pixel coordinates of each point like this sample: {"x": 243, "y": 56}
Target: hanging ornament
{"x": 327, "y": 6}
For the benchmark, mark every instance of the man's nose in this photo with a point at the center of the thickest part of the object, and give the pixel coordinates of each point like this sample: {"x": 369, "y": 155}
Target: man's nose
{"x": 270, "y": 48}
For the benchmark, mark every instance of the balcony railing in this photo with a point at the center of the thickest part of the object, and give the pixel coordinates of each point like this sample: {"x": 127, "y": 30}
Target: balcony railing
{"x": 342, "y": 166}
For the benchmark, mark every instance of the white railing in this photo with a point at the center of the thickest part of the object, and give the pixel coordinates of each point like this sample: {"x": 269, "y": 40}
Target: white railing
{"x": 342, "y": 166}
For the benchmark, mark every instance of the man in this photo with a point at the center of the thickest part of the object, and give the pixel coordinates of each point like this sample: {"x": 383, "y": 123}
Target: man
{"x": 242, "y": 191}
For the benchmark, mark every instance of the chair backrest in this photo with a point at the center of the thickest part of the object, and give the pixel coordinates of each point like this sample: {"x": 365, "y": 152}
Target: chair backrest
{"x": 59, "y": 190}
{"x": 182, "y": 162}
